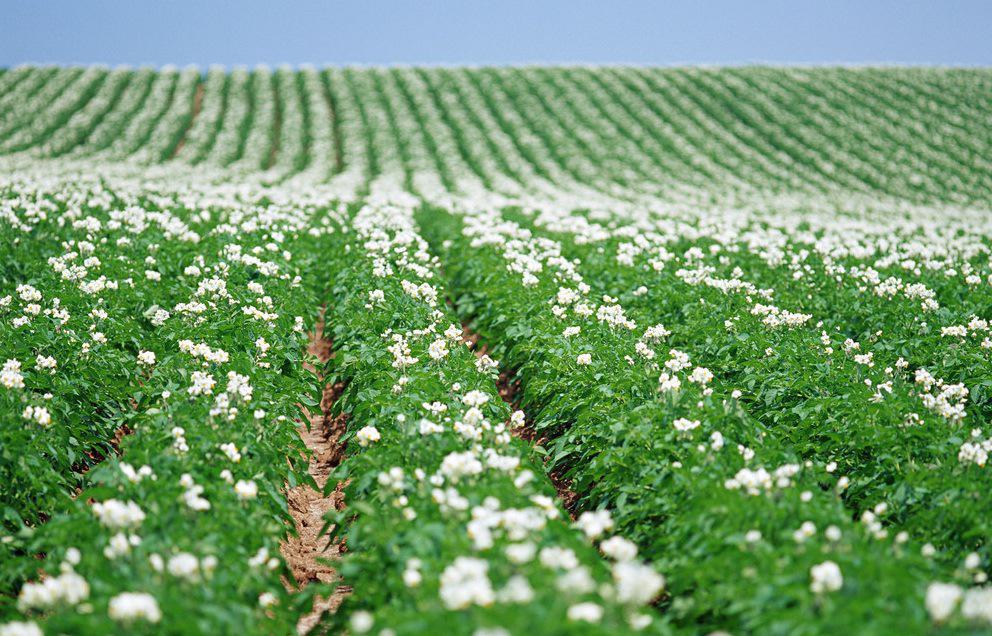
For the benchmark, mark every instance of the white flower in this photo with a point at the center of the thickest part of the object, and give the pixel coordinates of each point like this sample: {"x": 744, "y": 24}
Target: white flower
{"x": 361, "y": 622}
{"x": 37, "y": 414}
{"x": 678, "y": 361}
{"x": 17, "y": 628}
{"x": 184, "y": 566}
{"x": 587, "y": 612}
{"x": 438, "y": 349}
{"x": 560, "y": 558}
{"x": 368, "y": 435}
{"x": 412, "y": 578}
{"x": 517, "y": 419}
{"x": 466, "y": 582}
{"x": 68, "y": 588}
{"x": 427, "y": 427}
{"x": 566, "y": 296}
{"x": 192, "y": 496}
{"x": 159, "y": 318}
{"x": 639, "y": 621}
{"x": 619, "y": 549}
{"x": 484, "y": 363}
{"x": 716, "y": 440}
{"x": 636, "y": 583}
{"x": 267, "y": 599}
{"x": 116, "y": 514}
{"x": 146, "y": 358}
{"x": 521, "y": 552}
{"x": 576, "y": 581}
{"x": 473, "y": 398}
{"x": 246, "y": 489}
{"x": 595, "y": 523}
{"x": 805, "y": 531}
{"x": 656, "y": 333}
{"x": 668, "y": 383}
{"x": 457, "y": 465}
{"x": 238, "y": 386}
{"x": 825, "y": 577}
{"x": 584, "y": 359}
{"x": 516, "y": 590}
{"x": 231, "y": 451}
{"x": 394, "y": 479}
{"x": 203, "y": 383}
{"x": 120, "y": 544}
{"x": 972, "y": 561}
{"x": 941, "y": 600}
{"x": 262, "y": 345}
{"x": 10, "y": 376}
{"x": 977, "y": 604}
{"x": 28, "y": 293}
{"x": 701, "y": 376}
{"x": 131, "y": 606}
{"x": 73, "y": 556}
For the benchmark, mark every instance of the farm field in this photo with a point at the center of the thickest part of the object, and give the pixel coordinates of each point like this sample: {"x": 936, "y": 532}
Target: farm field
{"x": 495, "y": 351}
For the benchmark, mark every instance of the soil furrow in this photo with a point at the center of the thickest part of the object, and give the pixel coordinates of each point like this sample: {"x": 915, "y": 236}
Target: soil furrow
{"x": 308, "y": 551}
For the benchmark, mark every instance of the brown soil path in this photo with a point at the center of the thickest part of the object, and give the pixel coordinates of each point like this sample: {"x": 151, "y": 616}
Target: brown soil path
{"x": 307, "y": 551}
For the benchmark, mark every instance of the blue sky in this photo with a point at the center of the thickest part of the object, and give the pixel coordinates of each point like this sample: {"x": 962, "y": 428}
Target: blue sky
{"x": 510, "y": 32}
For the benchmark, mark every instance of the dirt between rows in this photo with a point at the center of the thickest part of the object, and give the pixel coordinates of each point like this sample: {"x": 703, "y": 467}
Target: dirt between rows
{"x": 308, "y": 551}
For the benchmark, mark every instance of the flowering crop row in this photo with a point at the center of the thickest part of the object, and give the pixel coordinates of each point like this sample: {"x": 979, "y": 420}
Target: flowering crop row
{"x": 181, "y": 530}
{"x": 449, "y": 520}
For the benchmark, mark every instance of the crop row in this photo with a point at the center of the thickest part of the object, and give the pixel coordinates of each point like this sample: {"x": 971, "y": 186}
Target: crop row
{"x": 701, "y": 484}
{"x": 178, "y": 529}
